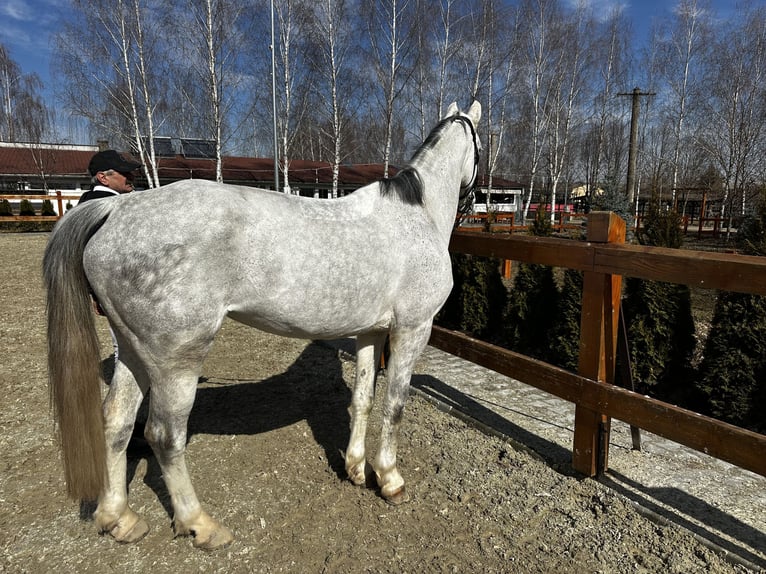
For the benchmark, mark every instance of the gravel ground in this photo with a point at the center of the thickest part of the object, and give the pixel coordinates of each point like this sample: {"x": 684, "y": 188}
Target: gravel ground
{"x": 265, "y": 446}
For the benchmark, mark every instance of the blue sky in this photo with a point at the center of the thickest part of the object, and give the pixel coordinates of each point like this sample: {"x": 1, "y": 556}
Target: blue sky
{"x": 26, "y": 30}
{"x": 28, "y": 25}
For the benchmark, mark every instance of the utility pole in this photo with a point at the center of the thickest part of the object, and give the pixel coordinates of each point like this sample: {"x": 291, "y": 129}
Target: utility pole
{"x": 630, "y": 190}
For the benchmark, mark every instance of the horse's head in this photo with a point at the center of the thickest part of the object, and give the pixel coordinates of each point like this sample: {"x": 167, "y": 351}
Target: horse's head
{"x": 470, "y": 120}
{"x": 408, "y": 184}
{"x": 471, "y": 164}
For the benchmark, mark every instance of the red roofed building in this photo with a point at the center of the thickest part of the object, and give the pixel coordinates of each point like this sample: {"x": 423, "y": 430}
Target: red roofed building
{"x": 44, "y": 169}
{"x": 37, "y": 168}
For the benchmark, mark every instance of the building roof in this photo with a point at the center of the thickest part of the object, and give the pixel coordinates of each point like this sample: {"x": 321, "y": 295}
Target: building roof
{"x": 32, "y": 160}
{"x": 67, "y": 162}
{"x": 249, "y": 170}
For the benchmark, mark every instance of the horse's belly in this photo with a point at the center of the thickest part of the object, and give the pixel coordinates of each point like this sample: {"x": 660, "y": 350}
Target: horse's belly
{"x": 311, "y": 322}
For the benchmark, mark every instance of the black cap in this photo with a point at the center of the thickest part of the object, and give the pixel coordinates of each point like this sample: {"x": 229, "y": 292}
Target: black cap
{"x": 110, "y": 159}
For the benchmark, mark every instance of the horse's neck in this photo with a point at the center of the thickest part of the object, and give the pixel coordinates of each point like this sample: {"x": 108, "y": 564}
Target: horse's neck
{"x": 441, "y": 175}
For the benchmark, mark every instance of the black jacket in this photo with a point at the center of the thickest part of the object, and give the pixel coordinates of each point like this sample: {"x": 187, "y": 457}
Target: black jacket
{"x": 96, "y": 193}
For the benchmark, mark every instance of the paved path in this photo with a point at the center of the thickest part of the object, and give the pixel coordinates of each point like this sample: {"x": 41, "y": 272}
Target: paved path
{"x": 720, "y": 503}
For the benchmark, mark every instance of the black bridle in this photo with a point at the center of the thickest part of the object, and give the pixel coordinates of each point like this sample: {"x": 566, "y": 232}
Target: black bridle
{"x": 467, "y": 191}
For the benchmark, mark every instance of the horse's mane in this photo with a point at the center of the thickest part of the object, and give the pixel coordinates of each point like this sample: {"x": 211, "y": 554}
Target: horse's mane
{"x": 406, "y": 184}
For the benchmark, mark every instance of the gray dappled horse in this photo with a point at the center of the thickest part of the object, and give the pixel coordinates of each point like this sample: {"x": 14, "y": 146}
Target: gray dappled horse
{"x": 168, "y": 265}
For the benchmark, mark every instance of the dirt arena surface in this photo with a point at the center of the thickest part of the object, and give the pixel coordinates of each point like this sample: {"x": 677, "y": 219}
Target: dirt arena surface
{"x": 266, "y": 437}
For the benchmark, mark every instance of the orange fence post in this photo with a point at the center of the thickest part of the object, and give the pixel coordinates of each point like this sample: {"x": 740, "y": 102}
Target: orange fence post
{"x": 507, "y": 268}
{"x": 598, "y": 346}
{"x": 60, "y": 202}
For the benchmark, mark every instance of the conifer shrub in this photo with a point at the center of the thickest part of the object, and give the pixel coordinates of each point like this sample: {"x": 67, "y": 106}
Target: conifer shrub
{"x": 47, "y": 208}
{"x": 614, "y": 199}
{"x": 26, "y": 207}
{"x": 659, "y": 320}
{"x": 566, "y": 331}
{"x": 732, "y": 373}
{"x": 531, "y": 313}
{"x": 477, "y": 299}
{"x": 5, "y": 208}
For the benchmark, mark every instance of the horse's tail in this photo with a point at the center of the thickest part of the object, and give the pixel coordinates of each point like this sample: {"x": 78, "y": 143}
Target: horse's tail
{"x": 74, "y": 370}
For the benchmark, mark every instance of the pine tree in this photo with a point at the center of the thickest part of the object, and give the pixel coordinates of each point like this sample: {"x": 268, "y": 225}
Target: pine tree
{"x": 732, "y": 374}
{"x": 659, "y": 320}
{"x": 47, "y": 208}
{"x": 477, "y": 299}
{"x": 26, "y": 208}
{"x": 566, "y": 331}
{"x": 531, "y": 313}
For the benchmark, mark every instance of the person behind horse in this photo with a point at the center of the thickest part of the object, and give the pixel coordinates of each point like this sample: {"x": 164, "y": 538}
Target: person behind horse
{"x": 111, "y": 175}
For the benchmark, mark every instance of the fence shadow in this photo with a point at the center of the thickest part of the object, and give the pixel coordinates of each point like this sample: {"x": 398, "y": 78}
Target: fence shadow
{"x": 671, "y": 504}
{"x": 554, "y": 454}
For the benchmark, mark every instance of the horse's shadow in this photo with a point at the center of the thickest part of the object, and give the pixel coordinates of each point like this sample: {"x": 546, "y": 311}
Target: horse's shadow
{"x": 311, "y": 389}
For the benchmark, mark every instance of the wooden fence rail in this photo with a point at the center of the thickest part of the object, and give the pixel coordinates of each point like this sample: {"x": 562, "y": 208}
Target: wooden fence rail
{"x": 604, "y": 259}
{"x": 59, "y": 198}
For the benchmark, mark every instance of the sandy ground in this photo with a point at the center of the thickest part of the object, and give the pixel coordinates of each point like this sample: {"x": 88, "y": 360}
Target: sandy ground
{"x": 266, "y": 437}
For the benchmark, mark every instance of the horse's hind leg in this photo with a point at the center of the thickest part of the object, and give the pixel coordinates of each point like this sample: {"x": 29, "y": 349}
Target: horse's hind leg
{"x": 368, "y": 348}
{"x": 406, "y": 346}
{"x": 113, "y": 515}
{"x": 170, "y": 403}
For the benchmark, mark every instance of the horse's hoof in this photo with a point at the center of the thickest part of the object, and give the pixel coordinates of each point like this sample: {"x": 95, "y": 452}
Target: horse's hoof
{"x": 397, "y": 497}
{"x": 207, "y": 532}
{"x": 357, "y": 473}
{"x": 129, "y": 528}
{"x": 217, "y": 540}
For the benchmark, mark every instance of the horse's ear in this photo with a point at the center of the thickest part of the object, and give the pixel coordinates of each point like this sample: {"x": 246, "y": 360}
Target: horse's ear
{"x": 451, "y": 110}
{"x": 474, "y": 112}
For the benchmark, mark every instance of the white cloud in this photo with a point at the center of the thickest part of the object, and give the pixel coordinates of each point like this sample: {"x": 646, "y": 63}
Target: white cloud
{"x": 18, "y": 10}
{"x": 15, "y": 35}
{"x": 602, "y": 7}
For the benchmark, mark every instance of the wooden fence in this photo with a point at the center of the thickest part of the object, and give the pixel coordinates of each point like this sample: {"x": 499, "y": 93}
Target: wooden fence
{"x": 564, "y": 222}
{"x": 604, "y": 259}
{"x": 506, "y": 222}
{"x": 59, "y": 198}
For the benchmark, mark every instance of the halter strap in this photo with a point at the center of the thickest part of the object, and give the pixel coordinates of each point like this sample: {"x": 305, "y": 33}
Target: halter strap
{"x": 467, "y": 191}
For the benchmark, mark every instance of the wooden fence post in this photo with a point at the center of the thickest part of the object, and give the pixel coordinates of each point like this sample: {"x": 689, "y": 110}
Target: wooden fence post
{"x": 598, "y": 346}
{"x": 60, "y": 203}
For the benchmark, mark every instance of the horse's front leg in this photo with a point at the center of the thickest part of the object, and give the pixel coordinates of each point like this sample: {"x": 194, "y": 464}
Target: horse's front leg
{"x": 170, "y": 403}
{"x": 113, "y": 515}
{"x": 406, "y": 346}
{"x": 368, "y": 349}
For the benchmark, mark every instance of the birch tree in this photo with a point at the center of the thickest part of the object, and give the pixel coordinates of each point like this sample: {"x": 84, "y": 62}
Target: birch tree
{"x": 332, "y": 41}
{"x": 295, "y": 80}
{"x": 733, "y": 116}
{"x": 24, "y": 117}
{"x": 391, "y": 47}
{"x": 684, "y": 42}
{"x": 422, "y": 92}
{"x": 209, "y": 57}
{"x": 495, "y": 72}
{"x": 109, "y": 75}
{"x": 566, "y": 87}
{"x": 610, "y": 77}
{"x": 498, "y": 127}
{"x": 535, "y": 60}
{"x": 147, "y": 99}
